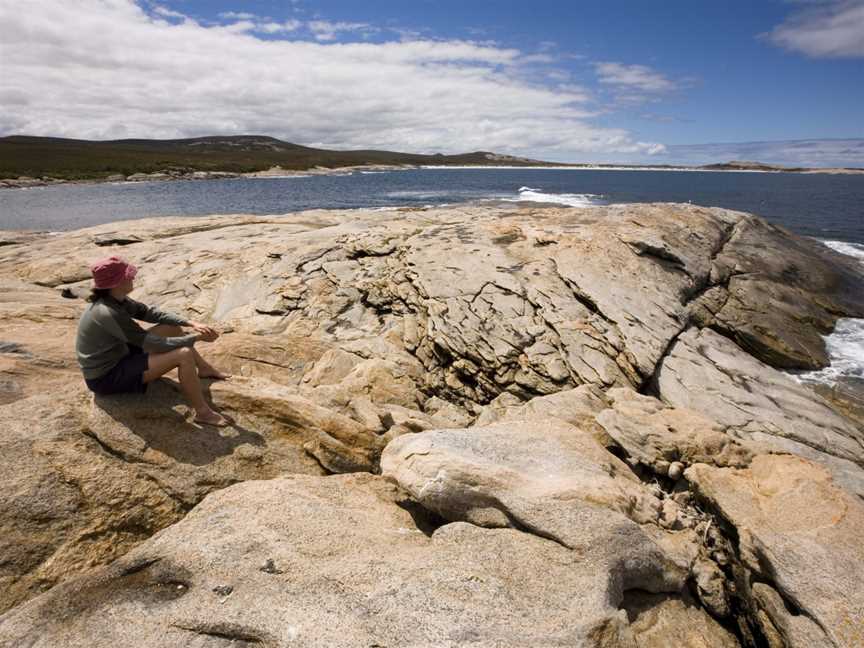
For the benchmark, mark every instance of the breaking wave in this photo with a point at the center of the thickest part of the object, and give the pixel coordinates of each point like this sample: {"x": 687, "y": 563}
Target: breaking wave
{"x": 530, "y": 194}
{"x": 845, "y": 344}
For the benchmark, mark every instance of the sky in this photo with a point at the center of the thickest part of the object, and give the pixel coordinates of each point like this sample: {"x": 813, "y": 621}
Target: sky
{"x": 693, "y": 81}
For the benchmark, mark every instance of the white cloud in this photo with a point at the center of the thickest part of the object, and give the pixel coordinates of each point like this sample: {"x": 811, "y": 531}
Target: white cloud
{"x": 237, "y": 15}
{"x": 168, "y": 13}
{"x": 325, "y": 30}
{"x": 804, "y": 153}
{"x": 633, "y": 77}
{"x": 279, "y": 27}
{"x": 834, "y": 29}
{"x": 243, "y": 21}
{"x": 114, "y": 70}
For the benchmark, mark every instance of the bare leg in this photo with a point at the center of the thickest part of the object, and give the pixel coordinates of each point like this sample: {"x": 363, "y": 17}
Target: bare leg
{"x": 184, "y": 360}
{"x": 205, "y": 369}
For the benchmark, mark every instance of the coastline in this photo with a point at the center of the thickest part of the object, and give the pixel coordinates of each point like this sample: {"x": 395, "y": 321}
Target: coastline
{"x": 26, "y": 182}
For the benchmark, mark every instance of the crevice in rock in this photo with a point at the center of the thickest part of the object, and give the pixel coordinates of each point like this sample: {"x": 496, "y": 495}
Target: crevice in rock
{"x": 113, "y": 452}
{"x": 365, "y": 253}
{"x": 660, "y": 255}
{"x": 719, "y": 555}
{"x": 425, "y": 520}
{"x": 651, "y": 386}
{"x": 228, "y": 632}
{"x": 139, "y": 566}
{"x": 314, "y": 257}
{"x": 317, "y": 460}
{"x": 723, "y": 536}
{"x": 117, "y": 240}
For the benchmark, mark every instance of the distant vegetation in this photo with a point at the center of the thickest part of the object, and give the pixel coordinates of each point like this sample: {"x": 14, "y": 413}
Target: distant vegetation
{"x": 70, "y": 159}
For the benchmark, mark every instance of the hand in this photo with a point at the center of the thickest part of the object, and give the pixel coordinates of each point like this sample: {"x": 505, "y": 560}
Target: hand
{"x": 207, "y": 333}
{"x": 208, "y": 336}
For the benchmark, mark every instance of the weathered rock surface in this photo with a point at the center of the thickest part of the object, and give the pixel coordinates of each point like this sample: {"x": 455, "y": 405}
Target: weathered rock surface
{"x": 330, "y": 561}
{"x": 578, "y": 406}
{"x": 707, "y": 372}
{"x": 666, "y": 440}
{"x": 777, "y": 303}
{"x": 528, "y": 302}
{"x": 86, "y": 481}
{"x": 661, "y": 621}
{"x": 38, "y": 331}
{"x": 498, "y": 384}
{"x": 799, "y": 536}
{"x": 544, "y": 475}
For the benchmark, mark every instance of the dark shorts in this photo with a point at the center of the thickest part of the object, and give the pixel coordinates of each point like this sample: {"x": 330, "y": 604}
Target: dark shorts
{"x": 125, "y": 377}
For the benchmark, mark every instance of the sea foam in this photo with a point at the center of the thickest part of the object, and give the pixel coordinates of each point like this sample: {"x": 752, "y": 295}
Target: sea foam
{"x": 850, "y": 249}
{"x": 530, "y": 194}
{"x": 845, "y": 345}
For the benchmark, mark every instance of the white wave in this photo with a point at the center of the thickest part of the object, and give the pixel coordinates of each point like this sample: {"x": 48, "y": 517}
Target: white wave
{"x": 845, "y": 345}
{"x": 529, "y": 194}
{"x": 849, "y": 249}
{"x": 846, "y": 352}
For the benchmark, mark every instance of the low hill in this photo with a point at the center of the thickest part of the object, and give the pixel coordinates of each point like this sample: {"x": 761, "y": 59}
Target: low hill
{"x": 72, "y": 159}
{"x": 745, "y": 165}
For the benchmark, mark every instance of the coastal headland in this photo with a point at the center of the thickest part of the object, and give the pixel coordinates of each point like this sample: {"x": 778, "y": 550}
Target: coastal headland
{"x": 40, "y": 161}
{"x": 477, "y": 425}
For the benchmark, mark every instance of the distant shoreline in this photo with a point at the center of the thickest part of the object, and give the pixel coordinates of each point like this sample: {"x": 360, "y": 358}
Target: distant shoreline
{"x": 24, "y": 182}
{"x": 27, "y": 161}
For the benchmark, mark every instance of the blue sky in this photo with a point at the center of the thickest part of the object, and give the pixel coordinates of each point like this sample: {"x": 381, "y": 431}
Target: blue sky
{"x": 580, "y": 81}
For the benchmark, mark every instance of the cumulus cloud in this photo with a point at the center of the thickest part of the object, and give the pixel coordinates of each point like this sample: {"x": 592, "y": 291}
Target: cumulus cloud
{"x": 325, "y": 30}
{"x": 168, "y": 13}
{"x": 633, "y": 77}
{"x": 833, "y": 29}
{"x": 237, "y": 15}
{"x": 116, "y": 70}
{"x": 271, "y": 27}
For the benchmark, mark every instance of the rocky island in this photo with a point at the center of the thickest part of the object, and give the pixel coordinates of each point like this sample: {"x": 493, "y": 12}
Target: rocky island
{"x": 463, "y": 426}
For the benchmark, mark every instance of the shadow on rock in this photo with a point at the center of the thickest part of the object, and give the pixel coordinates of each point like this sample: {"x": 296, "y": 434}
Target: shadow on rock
{"x": 157, "y": 419}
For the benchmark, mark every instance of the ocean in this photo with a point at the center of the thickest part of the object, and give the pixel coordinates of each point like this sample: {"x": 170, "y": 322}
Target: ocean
{"x": 827, "y": 207}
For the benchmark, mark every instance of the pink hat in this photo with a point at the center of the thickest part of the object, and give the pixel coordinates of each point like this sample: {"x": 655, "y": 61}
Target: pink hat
{"x": 111, "y": 272}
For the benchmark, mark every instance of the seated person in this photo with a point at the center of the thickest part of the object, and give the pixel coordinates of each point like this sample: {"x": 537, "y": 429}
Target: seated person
{"x": 117, "y": 356}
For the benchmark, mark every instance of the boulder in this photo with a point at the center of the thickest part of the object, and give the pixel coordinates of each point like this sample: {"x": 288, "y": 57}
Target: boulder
{"x": 547, "y": 477}
{"x": 577, "y": 406}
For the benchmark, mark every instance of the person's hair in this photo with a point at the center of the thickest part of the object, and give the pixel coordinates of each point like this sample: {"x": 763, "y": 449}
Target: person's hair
{"x": 98, "y": 293}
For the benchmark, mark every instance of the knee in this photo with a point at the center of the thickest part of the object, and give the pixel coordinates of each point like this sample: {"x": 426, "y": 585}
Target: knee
{"x": 184, "y": 354}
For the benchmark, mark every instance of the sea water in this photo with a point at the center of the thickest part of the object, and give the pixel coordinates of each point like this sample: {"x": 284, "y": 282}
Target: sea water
{"x": 829, "y": 207}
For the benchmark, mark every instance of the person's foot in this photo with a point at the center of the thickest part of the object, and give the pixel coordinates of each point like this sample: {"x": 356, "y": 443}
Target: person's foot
{"x": 211, "y": 418}
{"x": 214, "y": 373}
